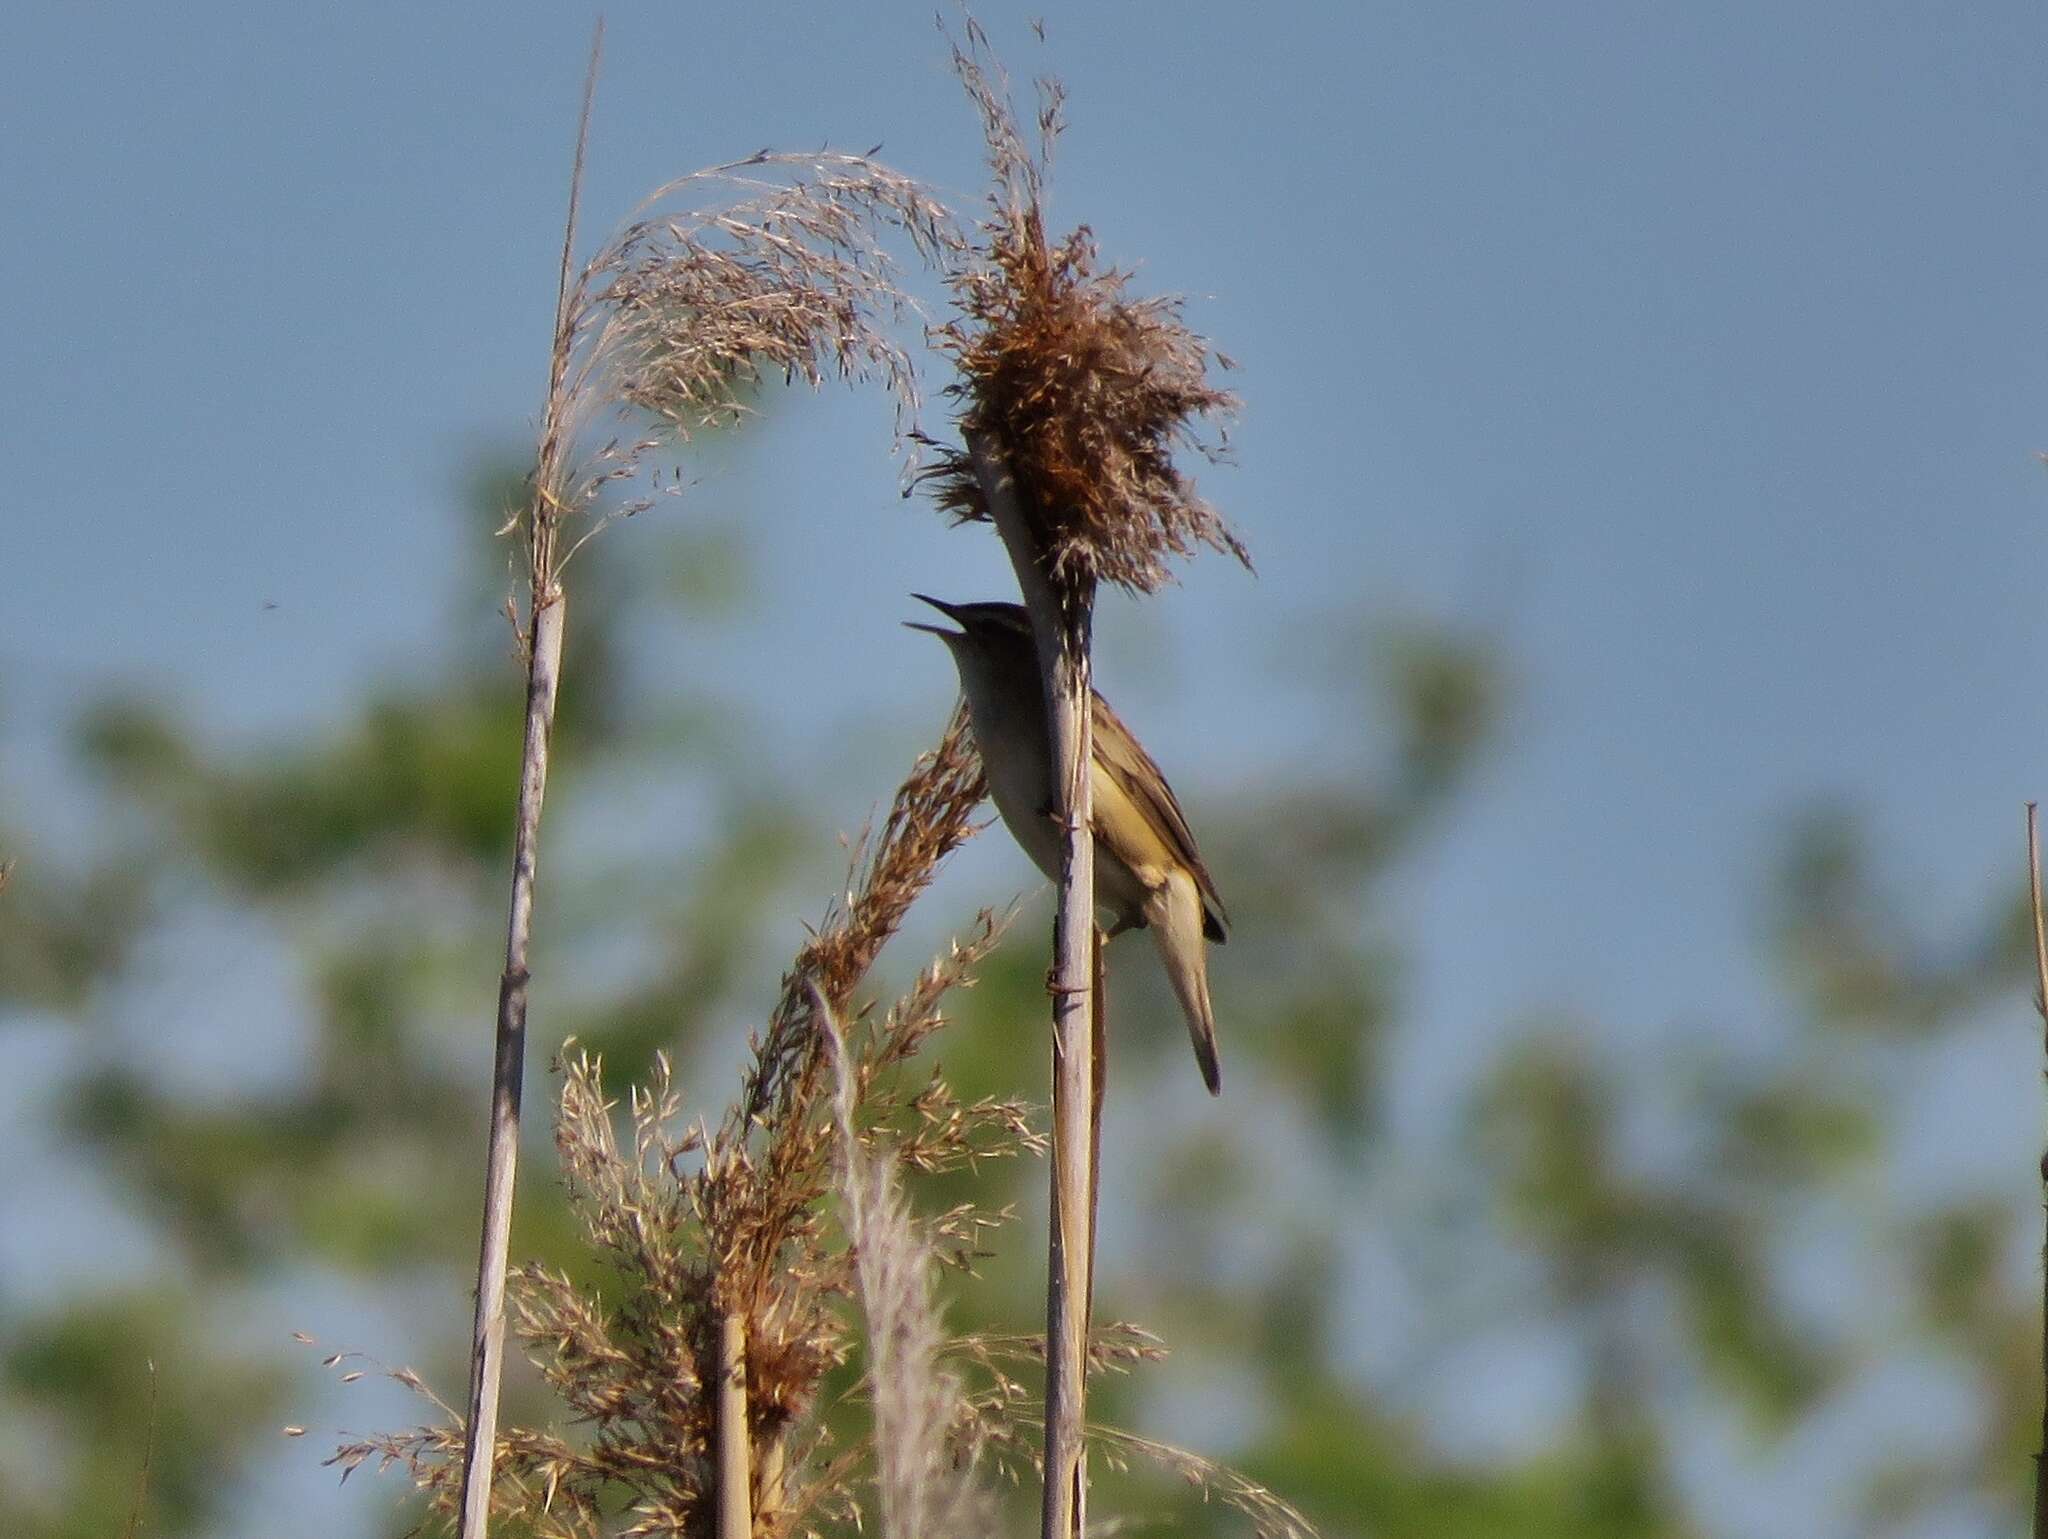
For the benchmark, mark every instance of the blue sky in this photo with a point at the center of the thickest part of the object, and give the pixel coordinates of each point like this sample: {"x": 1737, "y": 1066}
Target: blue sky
{"x": 1692, "y": 351}
{"x": 1689, "y": 352}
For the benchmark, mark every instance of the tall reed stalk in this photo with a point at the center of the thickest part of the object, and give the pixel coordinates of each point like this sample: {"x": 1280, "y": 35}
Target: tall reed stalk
{"x": 2041, "y": 1007}
{"x": 1062, "y": 621}
{"x": 547, "y": 620}
{"x": 735, "y": 1461}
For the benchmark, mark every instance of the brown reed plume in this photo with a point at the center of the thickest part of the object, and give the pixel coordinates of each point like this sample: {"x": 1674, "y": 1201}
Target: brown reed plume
{"x": 1089, "y": 391}
{"x": 1073, "y": 399}
{"x": 772, "y": 265}
{"x": 701, "y": 1226}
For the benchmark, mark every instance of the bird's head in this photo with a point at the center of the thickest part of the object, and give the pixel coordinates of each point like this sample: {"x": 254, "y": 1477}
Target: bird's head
{"x": 994, "y": 642}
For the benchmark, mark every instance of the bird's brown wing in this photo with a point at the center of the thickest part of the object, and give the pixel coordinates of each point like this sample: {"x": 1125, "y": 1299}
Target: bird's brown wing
{"x": 1133, "y": 770}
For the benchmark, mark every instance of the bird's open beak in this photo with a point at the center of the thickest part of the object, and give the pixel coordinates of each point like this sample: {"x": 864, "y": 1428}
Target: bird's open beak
{"x": 936, "y": 630}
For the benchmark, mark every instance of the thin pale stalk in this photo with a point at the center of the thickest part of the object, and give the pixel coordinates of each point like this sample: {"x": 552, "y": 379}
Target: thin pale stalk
{"x": 2041, "y": 1005}
{"x": 487, "y": 1347}
{"x": 1063, "y": 626}
{"x": 548, "y": 611}
{"x": 735, "y": 1498}
{"x": 1098, "y": 1033}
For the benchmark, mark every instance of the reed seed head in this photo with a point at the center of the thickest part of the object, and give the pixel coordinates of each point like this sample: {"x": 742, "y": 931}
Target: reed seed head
{"x": 1089, "y": 391}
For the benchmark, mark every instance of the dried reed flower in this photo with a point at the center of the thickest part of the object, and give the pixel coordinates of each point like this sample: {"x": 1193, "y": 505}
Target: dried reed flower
{"x": 792, "y": 277}
{"x": 1088, "y": 391}
{"x": 696, "y": 1225}
{"x": 776, "y": 265}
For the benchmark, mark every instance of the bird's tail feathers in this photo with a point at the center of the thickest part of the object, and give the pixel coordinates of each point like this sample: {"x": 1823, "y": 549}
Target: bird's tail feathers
{"x": 1174, "y": 915}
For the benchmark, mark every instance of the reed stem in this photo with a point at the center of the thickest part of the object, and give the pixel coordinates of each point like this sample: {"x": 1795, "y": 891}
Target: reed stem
{"x": 735, "y": 1498}
{"x": 487, "y": 1345}
{"x": 2040, "y": 1005}
{"x": 1063, "y": 625}
{"x": 547, "y": 618}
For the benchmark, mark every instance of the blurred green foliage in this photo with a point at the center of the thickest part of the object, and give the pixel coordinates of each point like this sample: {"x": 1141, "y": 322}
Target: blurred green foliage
{"x": 153, "y": 1431}
{"x": 375, "y": 850}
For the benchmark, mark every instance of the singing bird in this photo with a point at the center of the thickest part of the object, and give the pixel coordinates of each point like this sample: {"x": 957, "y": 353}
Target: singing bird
{"x": 1148, "y": 873}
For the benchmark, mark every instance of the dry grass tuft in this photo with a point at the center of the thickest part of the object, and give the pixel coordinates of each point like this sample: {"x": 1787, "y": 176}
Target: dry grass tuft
{"x": 694, "y": 1225}
{"x": 1088, "y": 391}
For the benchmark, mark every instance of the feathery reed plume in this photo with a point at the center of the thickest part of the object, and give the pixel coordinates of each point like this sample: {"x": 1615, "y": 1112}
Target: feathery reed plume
{"x": 789, "y": 277}
{"x": 1088, "y": 391}
{"x": 698, "y": 1226}
{"x": 924, "y": 1492}
{"x": 674, "y": 315}
{"x": 1073, "y": 398}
